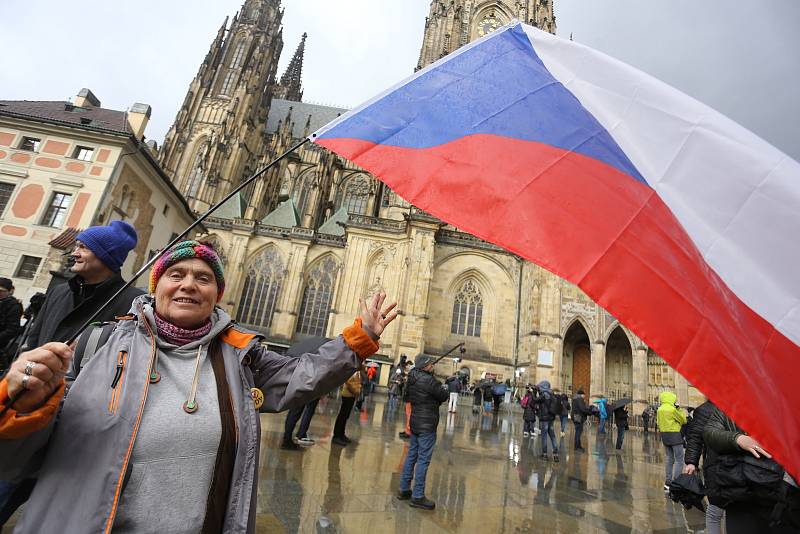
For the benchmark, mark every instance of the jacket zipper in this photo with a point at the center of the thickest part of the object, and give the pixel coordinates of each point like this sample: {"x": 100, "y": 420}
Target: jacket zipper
{"x": 121, "y": 477}
{"x": 116, "y": 393}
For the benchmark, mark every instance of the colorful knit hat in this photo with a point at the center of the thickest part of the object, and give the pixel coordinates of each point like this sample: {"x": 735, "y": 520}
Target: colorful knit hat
{"x": 186, "y": 250}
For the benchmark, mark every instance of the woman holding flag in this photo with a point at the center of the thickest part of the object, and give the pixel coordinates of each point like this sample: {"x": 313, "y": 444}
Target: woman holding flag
{"x": 159, "y": 431}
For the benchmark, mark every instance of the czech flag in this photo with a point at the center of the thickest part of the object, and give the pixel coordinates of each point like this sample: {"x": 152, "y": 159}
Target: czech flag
{"x": 678, "y": 221}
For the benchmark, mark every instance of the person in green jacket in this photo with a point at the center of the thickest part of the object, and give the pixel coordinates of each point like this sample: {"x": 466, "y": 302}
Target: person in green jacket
{"x": 670, "y": 419}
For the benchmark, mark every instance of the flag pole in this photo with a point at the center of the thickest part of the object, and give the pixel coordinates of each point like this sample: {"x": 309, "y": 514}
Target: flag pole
{"x": 440, "y": 358}
{"x": 152, "y": 260}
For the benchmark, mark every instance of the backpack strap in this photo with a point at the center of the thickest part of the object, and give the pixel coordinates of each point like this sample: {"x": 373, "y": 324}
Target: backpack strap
{"x": 89, "y": 342}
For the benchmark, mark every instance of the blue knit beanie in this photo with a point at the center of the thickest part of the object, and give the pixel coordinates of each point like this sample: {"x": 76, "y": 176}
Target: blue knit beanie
{"x": 110, "y": 243}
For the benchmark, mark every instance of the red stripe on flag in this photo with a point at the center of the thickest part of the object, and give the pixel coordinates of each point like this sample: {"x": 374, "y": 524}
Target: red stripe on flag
{"x": 615, "y": 238}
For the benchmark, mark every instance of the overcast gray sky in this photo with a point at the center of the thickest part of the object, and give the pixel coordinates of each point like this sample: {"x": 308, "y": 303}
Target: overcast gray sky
{"x": 739, "y": 56}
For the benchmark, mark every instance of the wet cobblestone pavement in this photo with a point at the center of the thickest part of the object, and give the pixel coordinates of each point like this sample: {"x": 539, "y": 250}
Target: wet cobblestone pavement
{"x": 484, "y": 476}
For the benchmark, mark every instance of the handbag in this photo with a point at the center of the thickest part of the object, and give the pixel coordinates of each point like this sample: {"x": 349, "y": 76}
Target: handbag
{"x": 742, "y": 477}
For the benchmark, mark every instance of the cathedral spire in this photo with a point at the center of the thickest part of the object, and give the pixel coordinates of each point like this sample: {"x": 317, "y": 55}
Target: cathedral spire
{"x": 291, "y": 81}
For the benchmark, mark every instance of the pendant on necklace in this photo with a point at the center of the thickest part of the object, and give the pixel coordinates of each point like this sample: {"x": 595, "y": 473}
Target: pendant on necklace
{"x": 155, "y": 377}
{"x": 190, "y": 407}
{"x": 258, "y": 397}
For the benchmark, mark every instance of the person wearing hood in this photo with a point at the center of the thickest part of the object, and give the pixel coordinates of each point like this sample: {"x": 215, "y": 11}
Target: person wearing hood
{"x": 602, "y": 406}
{"x": 160, "y": 431}
{"x": 549, "y": 409}
{"x": 670, "y": 420}
{"x": 425, "y": 394}
{"x": 97, "y": 260}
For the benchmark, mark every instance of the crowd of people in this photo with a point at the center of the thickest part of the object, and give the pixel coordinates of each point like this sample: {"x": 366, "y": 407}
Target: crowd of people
{"x": 168, "y": 369}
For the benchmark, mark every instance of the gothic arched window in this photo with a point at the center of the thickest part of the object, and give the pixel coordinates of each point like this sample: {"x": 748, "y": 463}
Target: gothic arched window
{"x": 238, "y": 55}
{"x": 301, "y": 192}
{"x": 261, "y": 288}
{"x": 227, "y": 83}
{"x": 196, "y": 171}
{"x": 467, "y": 311}
{"x": 316, "y": 304}
{"x": 356, "y": 196}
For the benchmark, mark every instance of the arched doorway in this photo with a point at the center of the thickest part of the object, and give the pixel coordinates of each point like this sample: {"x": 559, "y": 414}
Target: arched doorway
{"x": 619, "y": 365}
{"x": 576, "y": 361}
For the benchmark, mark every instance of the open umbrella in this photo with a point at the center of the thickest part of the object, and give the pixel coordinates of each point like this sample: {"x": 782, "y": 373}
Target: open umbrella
{"x": 372, "y": 364}
{"x": 311, "y": 344}
{"x": 620, "y": 403}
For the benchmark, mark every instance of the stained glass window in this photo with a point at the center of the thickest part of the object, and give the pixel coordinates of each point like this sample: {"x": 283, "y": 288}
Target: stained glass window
{"x": 467, "y": 311}
{"x": 317, "y": 297}
{"x": 262, "y": 285}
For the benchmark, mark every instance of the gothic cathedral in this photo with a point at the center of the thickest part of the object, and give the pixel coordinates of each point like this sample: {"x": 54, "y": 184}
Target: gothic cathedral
{"x": 317, "y": 233}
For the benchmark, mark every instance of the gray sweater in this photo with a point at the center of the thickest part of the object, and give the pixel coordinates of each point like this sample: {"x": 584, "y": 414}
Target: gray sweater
{"x": 174, "y": 454}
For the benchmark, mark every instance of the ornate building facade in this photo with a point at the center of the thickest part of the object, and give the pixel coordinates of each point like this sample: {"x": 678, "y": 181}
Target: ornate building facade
{"x": 317, "y": 233}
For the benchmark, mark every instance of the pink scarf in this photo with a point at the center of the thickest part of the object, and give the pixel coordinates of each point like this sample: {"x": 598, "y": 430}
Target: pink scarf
{"x": 179, "y": 336}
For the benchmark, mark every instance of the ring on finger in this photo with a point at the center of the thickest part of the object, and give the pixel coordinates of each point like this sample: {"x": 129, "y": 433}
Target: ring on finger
{"x": 25, "y": 380}
{"x": 29, "y": 368}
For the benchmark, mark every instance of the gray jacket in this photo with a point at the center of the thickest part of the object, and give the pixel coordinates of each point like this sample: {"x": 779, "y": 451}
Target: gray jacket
{"x": 82, "y": 461}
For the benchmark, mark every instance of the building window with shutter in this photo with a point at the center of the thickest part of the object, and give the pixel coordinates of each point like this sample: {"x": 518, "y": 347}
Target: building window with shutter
{"x": 83, "y": 153}
{"x": 57, "y": 210}
{"x": 28, "y": 267}
{"x": 30, "y": 144}
{"x": 5, "y": 195}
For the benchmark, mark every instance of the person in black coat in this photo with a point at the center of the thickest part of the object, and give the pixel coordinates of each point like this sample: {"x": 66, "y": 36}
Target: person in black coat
{"x": 98, "y": 256}
{"x": 621, "y": 420}
{"x": 10, "y": 315}
{"x": 425, "y": 394}
{"x": 758, "y": 498}
{"x": 579, "y": 412}
{"x": 695, "y": 450}
{"x": 477, "y": 399}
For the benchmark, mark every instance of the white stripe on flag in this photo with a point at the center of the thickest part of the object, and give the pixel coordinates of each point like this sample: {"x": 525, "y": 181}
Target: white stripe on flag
{"x": 737, "y": 196}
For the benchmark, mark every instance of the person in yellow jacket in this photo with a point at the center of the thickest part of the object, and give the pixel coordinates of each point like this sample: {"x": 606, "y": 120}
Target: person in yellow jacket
{"x": 670, "y": 420}
{"x": 350, "y": 392}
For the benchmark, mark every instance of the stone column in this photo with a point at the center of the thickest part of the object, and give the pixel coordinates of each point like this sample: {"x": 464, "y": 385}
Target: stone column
{"x": 234, "y": 278}
{"x": 598, "y": 378}
{"x": 640, "y": 379}
{"x": 681, "y": 389}
{"x": 285, "y": 318}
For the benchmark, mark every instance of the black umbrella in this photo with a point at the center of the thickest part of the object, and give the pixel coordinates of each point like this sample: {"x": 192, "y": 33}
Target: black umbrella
{"x": 309, "y": 345}
{"x": 620, "y": 403}
{"x": 689, "y": 491}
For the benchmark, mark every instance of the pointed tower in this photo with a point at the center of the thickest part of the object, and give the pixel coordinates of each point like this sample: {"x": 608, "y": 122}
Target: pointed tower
{"x": 291, "y": 86}
{"x": 215, "y": 140}
{"x": 452, "y": 24}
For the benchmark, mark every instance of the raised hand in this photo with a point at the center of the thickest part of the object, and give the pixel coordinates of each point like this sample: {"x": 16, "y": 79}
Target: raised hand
{"x": 39, "y": 373}
{"x": 746, "y": 443}
{"x": 373, "y": 314}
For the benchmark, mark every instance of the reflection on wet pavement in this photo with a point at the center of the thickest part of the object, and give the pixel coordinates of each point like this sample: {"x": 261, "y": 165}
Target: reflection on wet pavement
{"x": 485, "y": 477}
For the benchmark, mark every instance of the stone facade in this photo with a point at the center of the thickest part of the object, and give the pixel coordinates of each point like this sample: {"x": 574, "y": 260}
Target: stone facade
{"x": 65, "y": 166}
{"x": 217, "y": 136}
{"x": 318, "y": 231}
